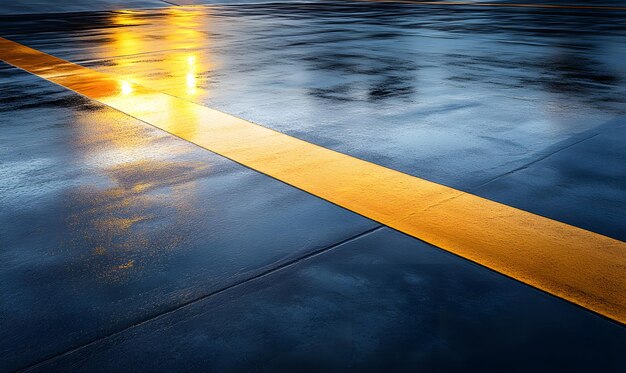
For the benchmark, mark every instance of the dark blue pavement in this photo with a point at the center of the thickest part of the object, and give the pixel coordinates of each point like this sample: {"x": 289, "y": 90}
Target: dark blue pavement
{"x": 115, "y": 236}
{"x": 107, "y": 221}
{"x": 459, "y": 96}
{"x": 382, "y": 302}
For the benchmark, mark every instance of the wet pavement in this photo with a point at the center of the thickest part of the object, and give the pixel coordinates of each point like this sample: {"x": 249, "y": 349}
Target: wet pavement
{"x": 116, "y": 236}
{"x": 456, "y": 97}
{"x": 123, "y": 222}
{"x": 383, "y": 301}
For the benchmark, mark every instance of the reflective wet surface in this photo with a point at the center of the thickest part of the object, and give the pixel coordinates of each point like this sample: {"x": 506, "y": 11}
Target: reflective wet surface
{"x": 383, "y": 301}
{"x": 456, "y": 95}
{"x": 107, "y": 222}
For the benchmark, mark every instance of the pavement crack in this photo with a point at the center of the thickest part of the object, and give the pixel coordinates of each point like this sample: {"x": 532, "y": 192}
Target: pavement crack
{"x": 186, "y": 304}
{"x": 169, "y": 2}
{"x": 439, "y": 203}
{"x": 525, "y": 166}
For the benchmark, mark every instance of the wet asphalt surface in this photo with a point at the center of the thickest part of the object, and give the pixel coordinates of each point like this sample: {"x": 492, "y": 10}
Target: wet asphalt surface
{"x": 132, "y": 249}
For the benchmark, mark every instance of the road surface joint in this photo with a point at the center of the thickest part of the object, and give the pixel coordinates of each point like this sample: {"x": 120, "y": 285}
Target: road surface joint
{"x": 577, "y": 265}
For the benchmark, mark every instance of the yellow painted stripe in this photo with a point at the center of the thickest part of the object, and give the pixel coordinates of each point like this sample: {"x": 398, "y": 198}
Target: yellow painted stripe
{"x": 581, "y": 266}
{"x": 503, "y": 5}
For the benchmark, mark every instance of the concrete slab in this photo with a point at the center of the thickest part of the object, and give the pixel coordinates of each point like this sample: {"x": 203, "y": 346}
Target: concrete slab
{"x": 505, "y": 239}
{"x": 454, "y": 95}
{"x": 582, "y": 184}
{"x": 106, "y": 221}
{"x": 384, "y": 301}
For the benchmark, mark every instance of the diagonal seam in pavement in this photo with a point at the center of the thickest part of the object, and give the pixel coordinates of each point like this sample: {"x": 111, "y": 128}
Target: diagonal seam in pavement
{"x": 186, "y": 304}
{"x": 577, "y": 265}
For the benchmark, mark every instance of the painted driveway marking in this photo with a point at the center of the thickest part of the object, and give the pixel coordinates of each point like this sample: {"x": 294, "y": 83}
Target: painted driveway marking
{"x": 580, "y": 266}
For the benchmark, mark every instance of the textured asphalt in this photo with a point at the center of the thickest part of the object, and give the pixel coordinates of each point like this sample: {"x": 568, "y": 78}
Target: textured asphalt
{"x": 125, "y": 248}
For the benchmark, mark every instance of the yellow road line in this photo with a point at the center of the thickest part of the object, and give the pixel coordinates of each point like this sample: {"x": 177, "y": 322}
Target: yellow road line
{"x": 503, "y": 5}
{"x": 577, "y": 265}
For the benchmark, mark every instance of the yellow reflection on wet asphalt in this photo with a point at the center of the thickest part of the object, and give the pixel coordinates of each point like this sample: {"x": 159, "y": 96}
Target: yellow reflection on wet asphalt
{"x": 126, "y": 88}
{"x": 580, "y": 266}
{"x": 162, "y": 56}
{"x": 133, "y": 175}
{"x": 114, "y": 148}
{"x": 191, "y": 75}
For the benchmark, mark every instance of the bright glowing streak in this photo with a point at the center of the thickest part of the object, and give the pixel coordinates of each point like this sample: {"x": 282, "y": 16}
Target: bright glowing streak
{"x": 126, "y": 87}
{"x": 191, "y": 75}
{"x": 191, "y": 84}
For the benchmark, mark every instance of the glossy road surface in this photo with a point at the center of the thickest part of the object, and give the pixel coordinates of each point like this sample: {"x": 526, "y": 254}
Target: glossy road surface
{"x": 499, "y": 237}
{"x": 120, "y": 236}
